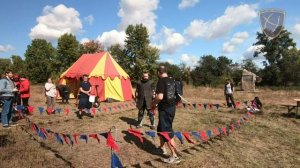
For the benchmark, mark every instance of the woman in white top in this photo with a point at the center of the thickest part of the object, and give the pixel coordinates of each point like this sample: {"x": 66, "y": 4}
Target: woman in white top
{"x": 50, "y": 89}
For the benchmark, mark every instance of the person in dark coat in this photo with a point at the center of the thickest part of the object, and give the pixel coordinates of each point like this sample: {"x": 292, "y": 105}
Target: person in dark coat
{"x": 64, "y": 91}
{"x": 144, "y": 94}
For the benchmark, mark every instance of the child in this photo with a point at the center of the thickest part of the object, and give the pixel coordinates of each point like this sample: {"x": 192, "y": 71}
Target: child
{"x": 255, "y": 106}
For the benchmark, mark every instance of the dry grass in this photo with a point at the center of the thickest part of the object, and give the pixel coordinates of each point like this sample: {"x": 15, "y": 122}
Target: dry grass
{"x": 271, "y": 140}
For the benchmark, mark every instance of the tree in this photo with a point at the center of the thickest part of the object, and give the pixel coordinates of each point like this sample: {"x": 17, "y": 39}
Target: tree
{"x": 18, "y": 65}
{"x": 67, "y": 52}
{"x": 137, "y": 55}
{"x": 274, "y": 50}
{"x": 90, "y": 47}
{"x": 38, "y": 58}
{"x": 250, "y": 66}
{"x": 5, "y": 64}
{"x": 173, "y": 70}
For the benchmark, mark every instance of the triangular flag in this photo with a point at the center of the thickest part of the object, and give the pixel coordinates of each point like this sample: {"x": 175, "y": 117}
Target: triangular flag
{"x": 216, "y": 131}
{"x": 197, "y": 135}
{"x": 109, "y": 108}
{"x": 70, "y": 139}
{"x": 250, "y": 114}
{"x": 136, "y": 133}
{"x": 187, "y": 136}
{"x": 41, "y": 110}
{"x": 75, "y": 138}
{"x": 210, "y": 106}
{"x": 152, "y": 134}
{"x": 246, "y": 103}
{"x": 30, "y": 109}
{"x": 84, "y": 137}
{"x": 126, "y": 105}
{"x": 115, "y": 161}
{"x": 179, "y": 136}
{"x": 19, "y": 107}
{"x": 104, "y": 109}
{"x": 165, "y": 135}
{"x": 217, "y": 106}
{"x": 199, "y": 105}
{"x": 194, "y": 105}
{"x": 209, "y": 133}
{"x": 183, "y": 105}
{"x": 58, "y": 110}
{"x": 93, "y": 111}
{"x": 65, "y": 139}
{"x": 58, "y": 138}
{"x": 205, "y": 106}
{"x": 224, "y": 130}
{"x": 49, "y": 110}
{"x": 237, "y": 104}
{"x": 42, "y": 133}
{"x": 220, "y": 131}
{"x": 95, "y": 136}
{"x": 104, "y": 134}
{"x": 67, "y": 111}
{"x": 203, "y": 135}
{"x": 111, "y": 142}
{"x": 232, "y": 127}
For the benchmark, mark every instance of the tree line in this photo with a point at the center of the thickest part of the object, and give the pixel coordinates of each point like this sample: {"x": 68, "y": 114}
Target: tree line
{"x": 281, "y": 60}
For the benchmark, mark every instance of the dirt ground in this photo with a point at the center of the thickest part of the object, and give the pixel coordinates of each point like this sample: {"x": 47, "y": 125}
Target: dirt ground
{"x": 272, "y": 139}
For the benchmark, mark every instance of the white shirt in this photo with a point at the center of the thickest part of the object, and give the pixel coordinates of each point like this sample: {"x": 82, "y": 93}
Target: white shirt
{"x": 228, "y": 89}
{"x": 50, "y": 89}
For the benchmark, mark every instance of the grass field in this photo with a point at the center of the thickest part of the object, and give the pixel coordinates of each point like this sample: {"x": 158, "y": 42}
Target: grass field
{"x": 272, "y": 139}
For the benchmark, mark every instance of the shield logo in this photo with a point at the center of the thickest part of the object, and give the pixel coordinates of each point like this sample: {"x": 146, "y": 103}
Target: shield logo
{"x": 271, "y": 21}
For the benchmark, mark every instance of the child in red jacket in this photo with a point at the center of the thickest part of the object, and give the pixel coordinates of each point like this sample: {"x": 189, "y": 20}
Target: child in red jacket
{"x": 24, "y": 89}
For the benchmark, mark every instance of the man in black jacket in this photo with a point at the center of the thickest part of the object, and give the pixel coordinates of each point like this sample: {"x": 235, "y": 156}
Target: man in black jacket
{"x": 144, "y": 94}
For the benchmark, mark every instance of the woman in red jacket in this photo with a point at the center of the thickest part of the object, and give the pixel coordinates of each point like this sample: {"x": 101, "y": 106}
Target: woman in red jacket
{"x": 24, "y": 89}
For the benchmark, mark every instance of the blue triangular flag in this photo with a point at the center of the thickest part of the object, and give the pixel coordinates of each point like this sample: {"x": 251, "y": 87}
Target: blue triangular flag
{"x": 58, "y": 110}
{"x": 246, "y": 103}
{"x": 19, "y": 107}
{"x": 197, "y": 135}
{"x": 84, "y": 137}
{"x": 109, "y": 108}
{"x": 42, "y": 134}
{"x": 179, "y": 136}
{"x": 88, "y": 111}
{"x": 209, "y": 133}
{"x": 41, "y": 110}
{"x": 115, "y": 161}
{"x": 99, "y": 109}
{"x": 220, "y": 130}
{"x": 58, "y": 138}
{"x": 152, "y": 134}
{"x": 194, "y": 105}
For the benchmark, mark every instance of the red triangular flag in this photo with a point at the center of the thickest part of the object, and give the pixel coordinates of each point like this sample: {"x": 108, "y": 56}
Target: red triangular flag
{"x": 49, "y": 110}
{"x": 104, "y": 109}
{"x": 95, "y": 136}
{"x": 239, "y": 123}
{"x": 250, "y": 114}
{"x": 224, "y": 130}
{"x": 30, "y": 109}
{"x": 199, "y": 105}
{"x": 93, "y": 111}
{"x": 216, "y": 131}
{"x": 165, "y": 135}
{"x": 210, "y": 106}
{"x": 136, "y": 133}
{"x": 232, "y": 127}
{"x": 237, "y": 104}
{"x": 65, "y": 138}
{"x": 67, "y": 110}
{"x": 75, "y": 138}
{"x": 111, "y": 142}
{"x": 187, "y": 136}
{"x": 203, "y": 135}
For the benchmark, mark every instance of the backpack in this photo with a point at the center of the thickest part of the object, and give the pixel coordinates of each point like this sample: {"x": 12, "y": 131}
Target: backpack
{"x": 172, "y": 92}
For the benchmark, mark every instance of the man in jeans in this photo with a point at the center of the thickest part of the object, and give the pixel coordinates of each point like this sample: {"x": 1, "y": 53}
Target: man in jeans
{"x": 144, "y": 93}
{"x": 7, "y": 90}
{"x": 166, "y": 100}
{"x": 228, "y": 92}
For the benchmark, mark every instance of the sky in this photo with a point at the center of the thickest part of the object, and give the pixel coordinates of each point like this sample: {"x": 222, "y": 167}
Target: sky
{"x": 183, "y": 30}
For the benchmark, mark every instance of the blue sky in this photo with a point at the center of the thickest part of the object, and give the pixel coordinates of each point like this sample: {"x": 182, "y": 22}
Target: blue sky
{"x": 183, "y": 30}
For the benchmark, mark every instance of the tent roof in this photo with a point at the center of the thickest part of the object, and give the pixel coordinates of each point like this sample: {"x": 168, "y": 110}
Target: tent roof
{"x": 95, "y": 65}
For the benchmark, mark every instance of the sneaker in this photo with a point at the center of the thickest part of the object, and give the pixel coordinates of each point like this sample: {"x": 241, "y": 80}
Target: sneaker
{"x": 172, "y": 160}
{"x": 152, "y": 127}
{"x": 12, "y": 124}
{"x": 6, "y": 127}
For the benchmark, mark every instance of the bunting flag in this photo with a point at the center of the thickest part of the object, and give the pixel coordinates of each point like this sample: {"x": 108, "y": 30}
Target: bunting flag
{"x": 203, "y": 135}
{"x": 210, "y": 106}
{"x": 65, "y": 139}
{"x": 58, "y": 138}
{"x": 75, "y": 136}
{"x": 93, "y": 111}
{"x": 19, "y": 107}
{"x": 115, "y": 161}
{"x": 232, "y": 127}
{"x": 216, "y": 131}
{"x": 95, "y": 137}
{"x": 237, "y": 104}
{"x": 84, "y": 137}
{"x": 250, "y": 114}
{"x": 67, "y": 111}
{"x": 179, "y": 136}
{"x": 111, "y": 142}
{"x": 136, "y": 133}
{"x": 184, "y": 105}
{"x": 42, "y": 134}
{"x": 152, "y": 134}
{"x": 246, "y": 103}
{"x": 197, "y": 135}
{"x": 224, "y": 130}
{"x": 70, "y": 139}
{"x": 194, "y": 105}
{"x": 199, "y": 105}
{"x": 30, "y": 109}
{"x": 49, "y": 110}
{"x": 41, "y": 110}
{"x": 165, "y": 135}
{"x": 187, "y": 136}
{"x": 209, "y": 133}
{"x": 217, "y": 106}
{"x": 205, "y": 106}
{"x": 58, "y": 110}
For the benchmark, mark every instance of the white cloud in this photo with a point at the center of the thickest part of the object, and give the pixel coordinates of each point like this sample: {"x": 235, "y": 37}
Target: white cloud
{"x": 136, "y": 12}
{"x": 112, "y": 37}
{"x": 232, "y": 17}
{"x": 89, "y": 19}
{"x": 250, "y": 52}
{"x": 55, "y": 22}
{"x": 190, "y": 60}
{"x": 84, "y": 40}
{"x": 238, "y": 38}
{"x": 296, "y": 31}
{"x": 187, "y": 3}
{"x": 171, "y": 41}
{"x": 171, "y": 61}
{"x": 6, "y": 48}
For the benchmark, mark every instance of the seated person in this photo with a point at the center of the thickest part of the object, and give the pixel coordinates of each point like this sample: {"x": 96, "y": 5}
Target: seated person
{"x": 255, "y": 106}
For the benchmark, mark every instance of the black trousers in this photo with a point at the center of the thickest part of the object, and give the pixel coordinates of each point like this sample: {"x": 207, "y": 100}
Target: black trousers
{"x": 142, "y": 113}
{"x": 231, "y": 102}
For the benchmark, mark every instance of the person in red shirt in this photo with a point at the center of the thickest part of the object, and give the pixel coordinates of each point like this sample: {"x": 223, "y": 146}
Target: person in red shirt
{"x": 24, "y": 89}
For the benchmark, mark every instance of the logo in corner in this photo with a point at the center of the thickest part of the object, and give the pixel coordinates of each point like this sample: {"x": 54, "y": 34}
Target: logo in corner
{"x": 271, "y": 21}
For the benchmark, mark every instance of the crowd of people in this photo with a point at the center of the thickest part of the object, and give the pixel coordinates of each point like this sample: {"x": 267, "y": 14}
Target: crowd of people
{"x": 165, "y": 95}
